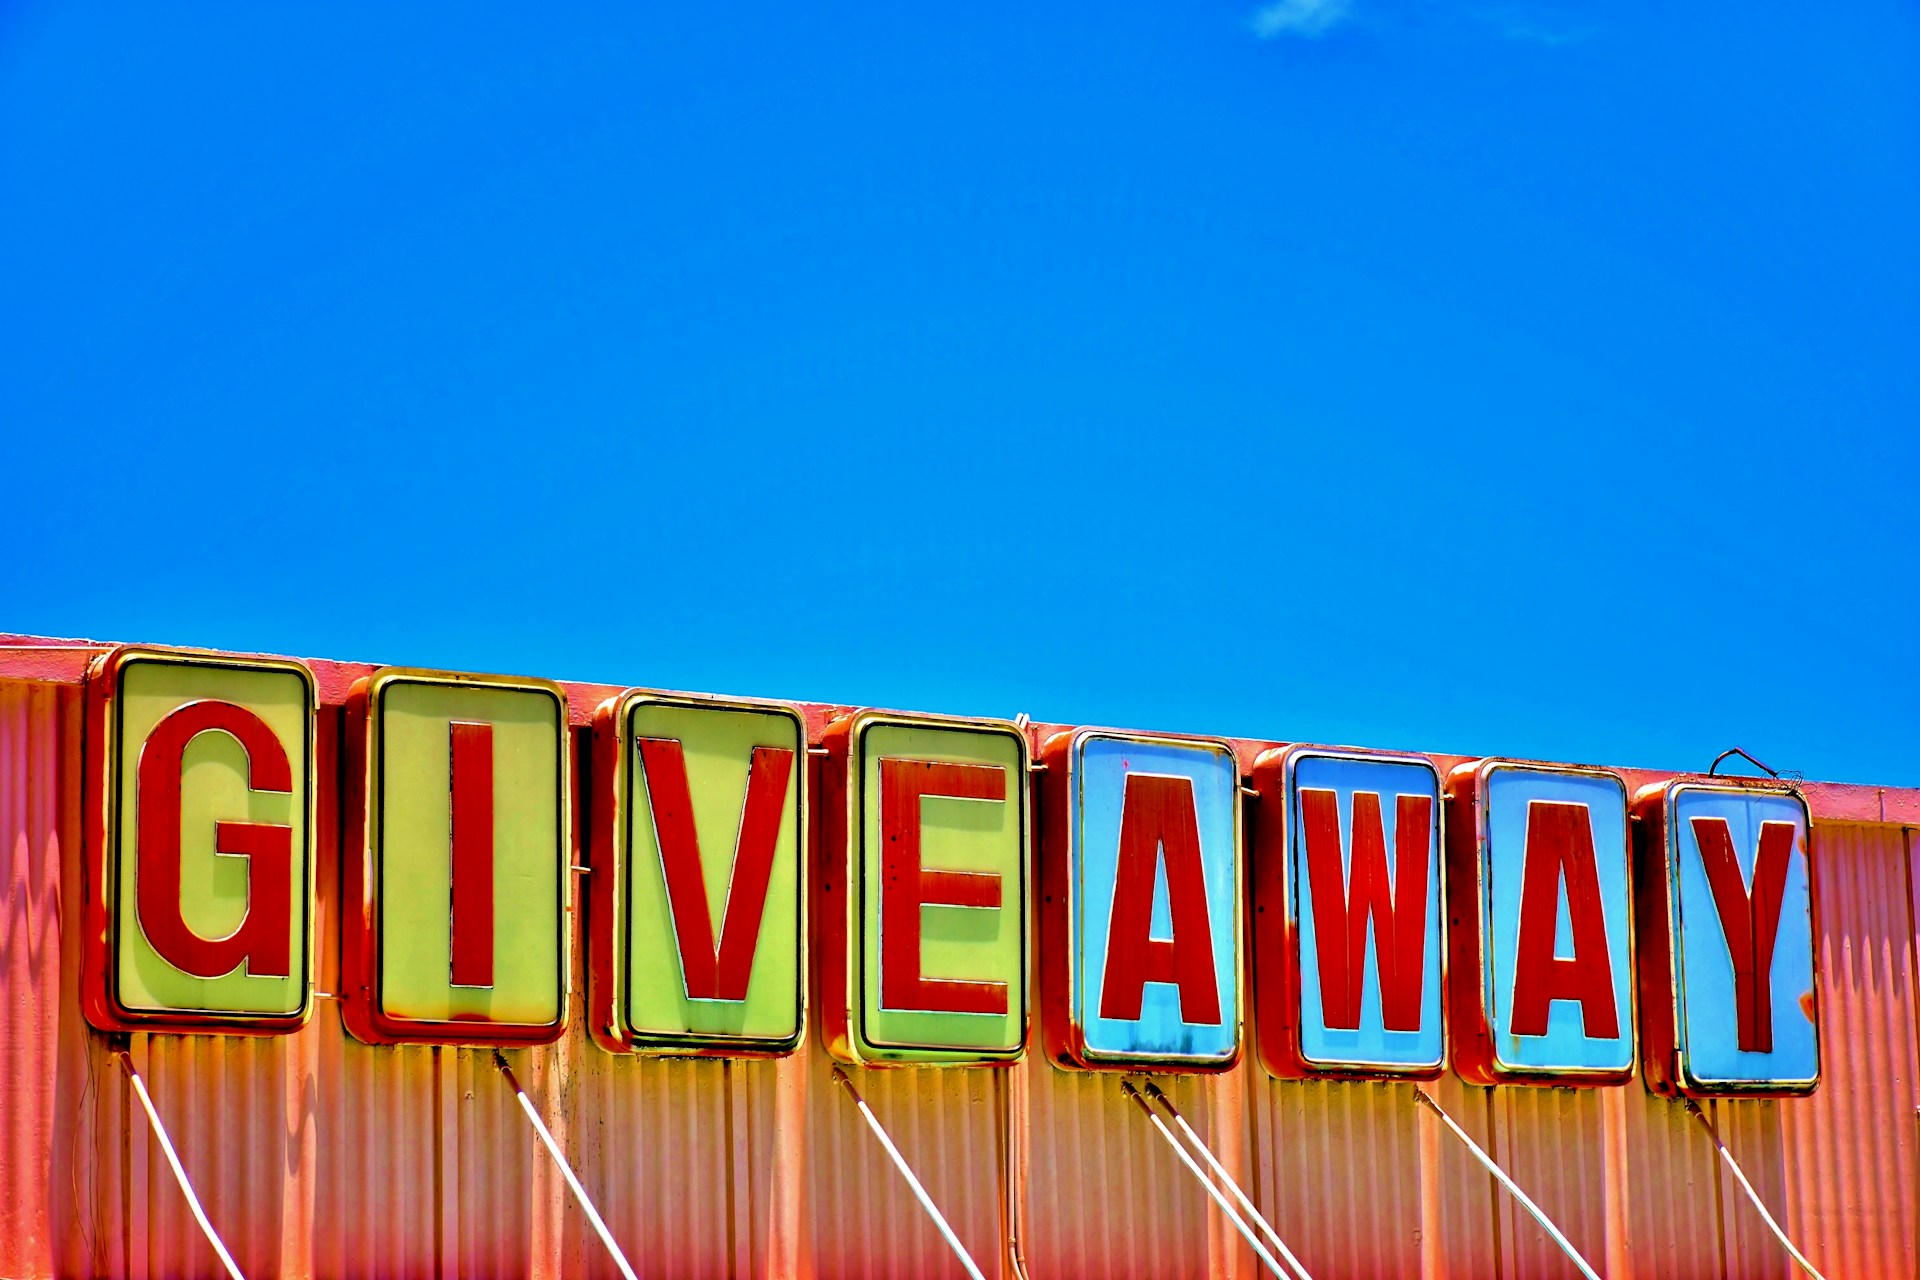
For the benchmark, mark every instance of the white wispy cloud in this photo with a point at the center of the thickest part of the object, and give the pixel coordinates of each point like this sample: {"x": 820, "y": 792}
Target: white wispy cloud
{"x": 1530, "y": 24}
{"x": 1308, "y": 18}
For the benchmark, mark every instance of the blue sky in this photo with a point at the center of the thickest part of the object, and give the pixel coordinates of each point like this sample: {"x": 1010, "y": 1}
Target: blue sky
{"x": 1530, "y": 379}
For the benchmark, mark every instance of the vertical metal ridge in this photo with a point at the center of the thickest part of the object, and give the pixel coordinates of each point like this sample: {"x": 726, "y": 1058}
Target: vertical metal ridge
{"x": 30, "y": 1010}
{"x": 1844, "y": 1158}
{"x": 1553, "y": 1143}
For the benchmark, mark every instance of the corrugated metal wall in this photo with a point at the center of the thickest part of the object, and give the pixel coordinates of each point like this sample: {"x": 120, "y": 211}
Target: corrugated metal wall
{"x": 320, "y": 1156}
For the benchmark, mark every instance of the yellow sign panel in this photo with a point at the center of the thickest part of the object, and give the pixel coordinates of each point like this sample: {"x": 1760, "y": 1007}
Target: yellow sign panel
{"x": 463, "y": 872}
{"x": 936, "y": 952}
{"x": 699, "y": 871}
{"x": 203, "y": 875}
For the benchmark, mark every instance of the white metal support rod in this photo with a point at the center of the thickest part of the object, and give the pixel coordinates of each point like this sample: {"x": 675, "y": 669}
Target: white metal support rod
{"x": 1752, "y": 1195}
{"x": 179, "y": 1173}
{"x": 1513, "y": 1189}
{"x": 1226, "y": 1179}
{"x": 906, "y": 1171}
{"x": 1193, "y": 1167}
{"x": 566, "y": 1171}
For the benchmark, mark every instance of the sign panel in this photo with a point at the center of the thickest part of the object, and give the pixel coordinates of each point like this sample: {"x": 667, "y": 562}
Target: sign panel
{"x": 1141, "y": 870}
{"x": 924, "y": 904}
{"x": 699, "y": 922}
{"x": 458, "y": 792}
{"x": 1347, "y": 901}
{"x": 1541, "y": 943}
{"x": 200, "y": 821}
{"x": 1725, "y": 905}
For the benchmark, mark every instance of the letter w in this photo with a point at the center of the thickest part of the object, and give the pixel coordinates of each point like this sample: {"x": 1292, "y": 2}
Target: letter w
{"x": 1341, "y": 910}
{"x": 714, "y": 973}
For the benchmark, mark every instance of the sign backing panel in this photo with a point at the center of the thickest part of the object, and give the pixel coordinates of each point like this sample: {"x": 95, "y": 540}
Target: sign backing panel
{"x": 1348, "y": 893}
{"x": 924, "y": 942}
{"x": 699, "y": 911}
{"x": 200, "y": 816}
{"x": 1541, "y": 960}
{"x": 1728, "y": 981}
{"x": 1142, "y": 945}
{"x": 459, "y": 795}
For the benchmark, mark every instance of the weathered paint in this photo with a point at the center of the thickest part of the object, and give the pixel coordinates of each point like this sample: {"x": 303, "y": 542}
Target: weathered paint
{"x": 1350, "y": 901}
{"x": 1141, "y": 938}
{"x": 1540, "y": 939}
{"x": 1728, "y": 1001}
{"x": 318, "y": 1155}
{"x": 923, "y": 910}
{"x": 201, "y": 866}
{"x": 459, "y": 861}
{"x": 699, "y": 846}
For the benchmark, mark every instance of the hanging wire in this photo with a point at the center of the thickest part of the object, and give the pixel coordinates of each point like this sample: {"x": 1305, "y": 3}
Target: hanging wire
{"x": 1226, "y": 1179}
{"x": 1714, "y": 768}
{"x": 1740, "y": 1177}
{"x": 1193, "y": 1167}
{"x": 906, "y": 1171}
{"x": 1513, "y": 1189}
{"x": 566, "y": 1171}
{"x": 179, "y": 1173}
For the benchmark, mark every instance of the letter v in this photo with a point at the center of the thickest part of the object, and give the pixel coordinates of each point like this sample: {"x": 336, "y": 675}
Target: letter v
{"x": 714, "y": 973}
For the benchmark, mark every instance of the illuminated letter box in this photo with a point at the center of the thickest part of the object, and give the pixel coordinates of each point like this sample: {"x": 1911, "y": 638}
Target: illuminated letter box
{"x": 1347, "y": 912}
{"x": 697, "y": 918}
{"x": 1140, "y": 875}
{"x": 1541, "y": 942}
{"x": 1725, "y": 911}
{"x": 923, "y": 890}
{"x": 200, "y": 811}
{"x": 457, "y": 859}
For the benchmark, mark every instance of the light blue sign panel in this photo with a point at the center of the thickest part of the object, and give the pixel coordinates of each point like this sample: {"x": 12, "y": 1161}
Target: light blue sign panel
{"x": 1161, "y": 1034}
{"x": 1709, "y": 1020}
{"x": 1371, "y": 1045}
{"x": 1511, "y": 794}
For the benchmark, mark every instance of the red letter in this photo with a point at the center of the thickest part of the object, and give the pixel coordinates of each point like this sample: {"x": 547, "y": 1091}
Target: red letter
{"x": 1340, "y": 913}
{"x": 710, "y": 975}
{"x": 1751, "y": 924}
{"x": 1157, "y": 812}
{"x": 1560, "y": 842}
{"x": 261, "y": 940}
{"x": 908, "y": 886}
{"x": 470, "y": 824}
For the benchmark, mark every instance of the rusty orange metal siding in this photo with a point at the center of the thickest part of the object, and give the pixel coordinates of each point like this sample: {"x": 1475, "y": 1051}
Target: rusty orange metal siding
{"x": 1849, "y": 1169}
{"x": 32, "y": 728}
{"x": 320, "y": 1156}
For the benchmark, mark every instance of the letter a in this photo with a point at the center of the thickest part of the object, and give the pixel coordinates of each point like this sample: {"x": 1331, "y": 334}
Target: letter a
{"x": 1158, "y": 815}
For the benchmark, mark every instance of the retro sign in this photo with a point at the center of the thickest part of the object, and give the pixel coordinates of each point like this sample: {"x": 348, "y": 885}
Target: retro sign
{"x": 1567, "y": 953}
{"x": 200, "y": 813}
{"x": 1141, "y": 876}
{"x": 1347, "y": 901}
{"x": 697, "y": 876}
{"x": 458, "y": 795}
{"x": 1541, "y": 940}
{"x": 1725, "y": 908}
{"x": 923, "y": 894}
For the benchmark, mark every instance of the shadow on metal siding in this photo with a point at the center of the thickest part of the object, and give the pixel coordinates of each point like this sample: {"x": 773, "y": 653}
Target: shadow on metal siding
{"x": 651, "y": 1141}
{"x": 376, "y": 1117}
{"x": 860, "y": 1218}
{"x": 31, "y": 1008}
{"x": 1553, "y": 1143}
{"x": 1673, "y": 1202}
{"x": 1847, "y": 1153}
{"x": 1361, "y": 1184}
{"x": 1105, "y": 1196}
